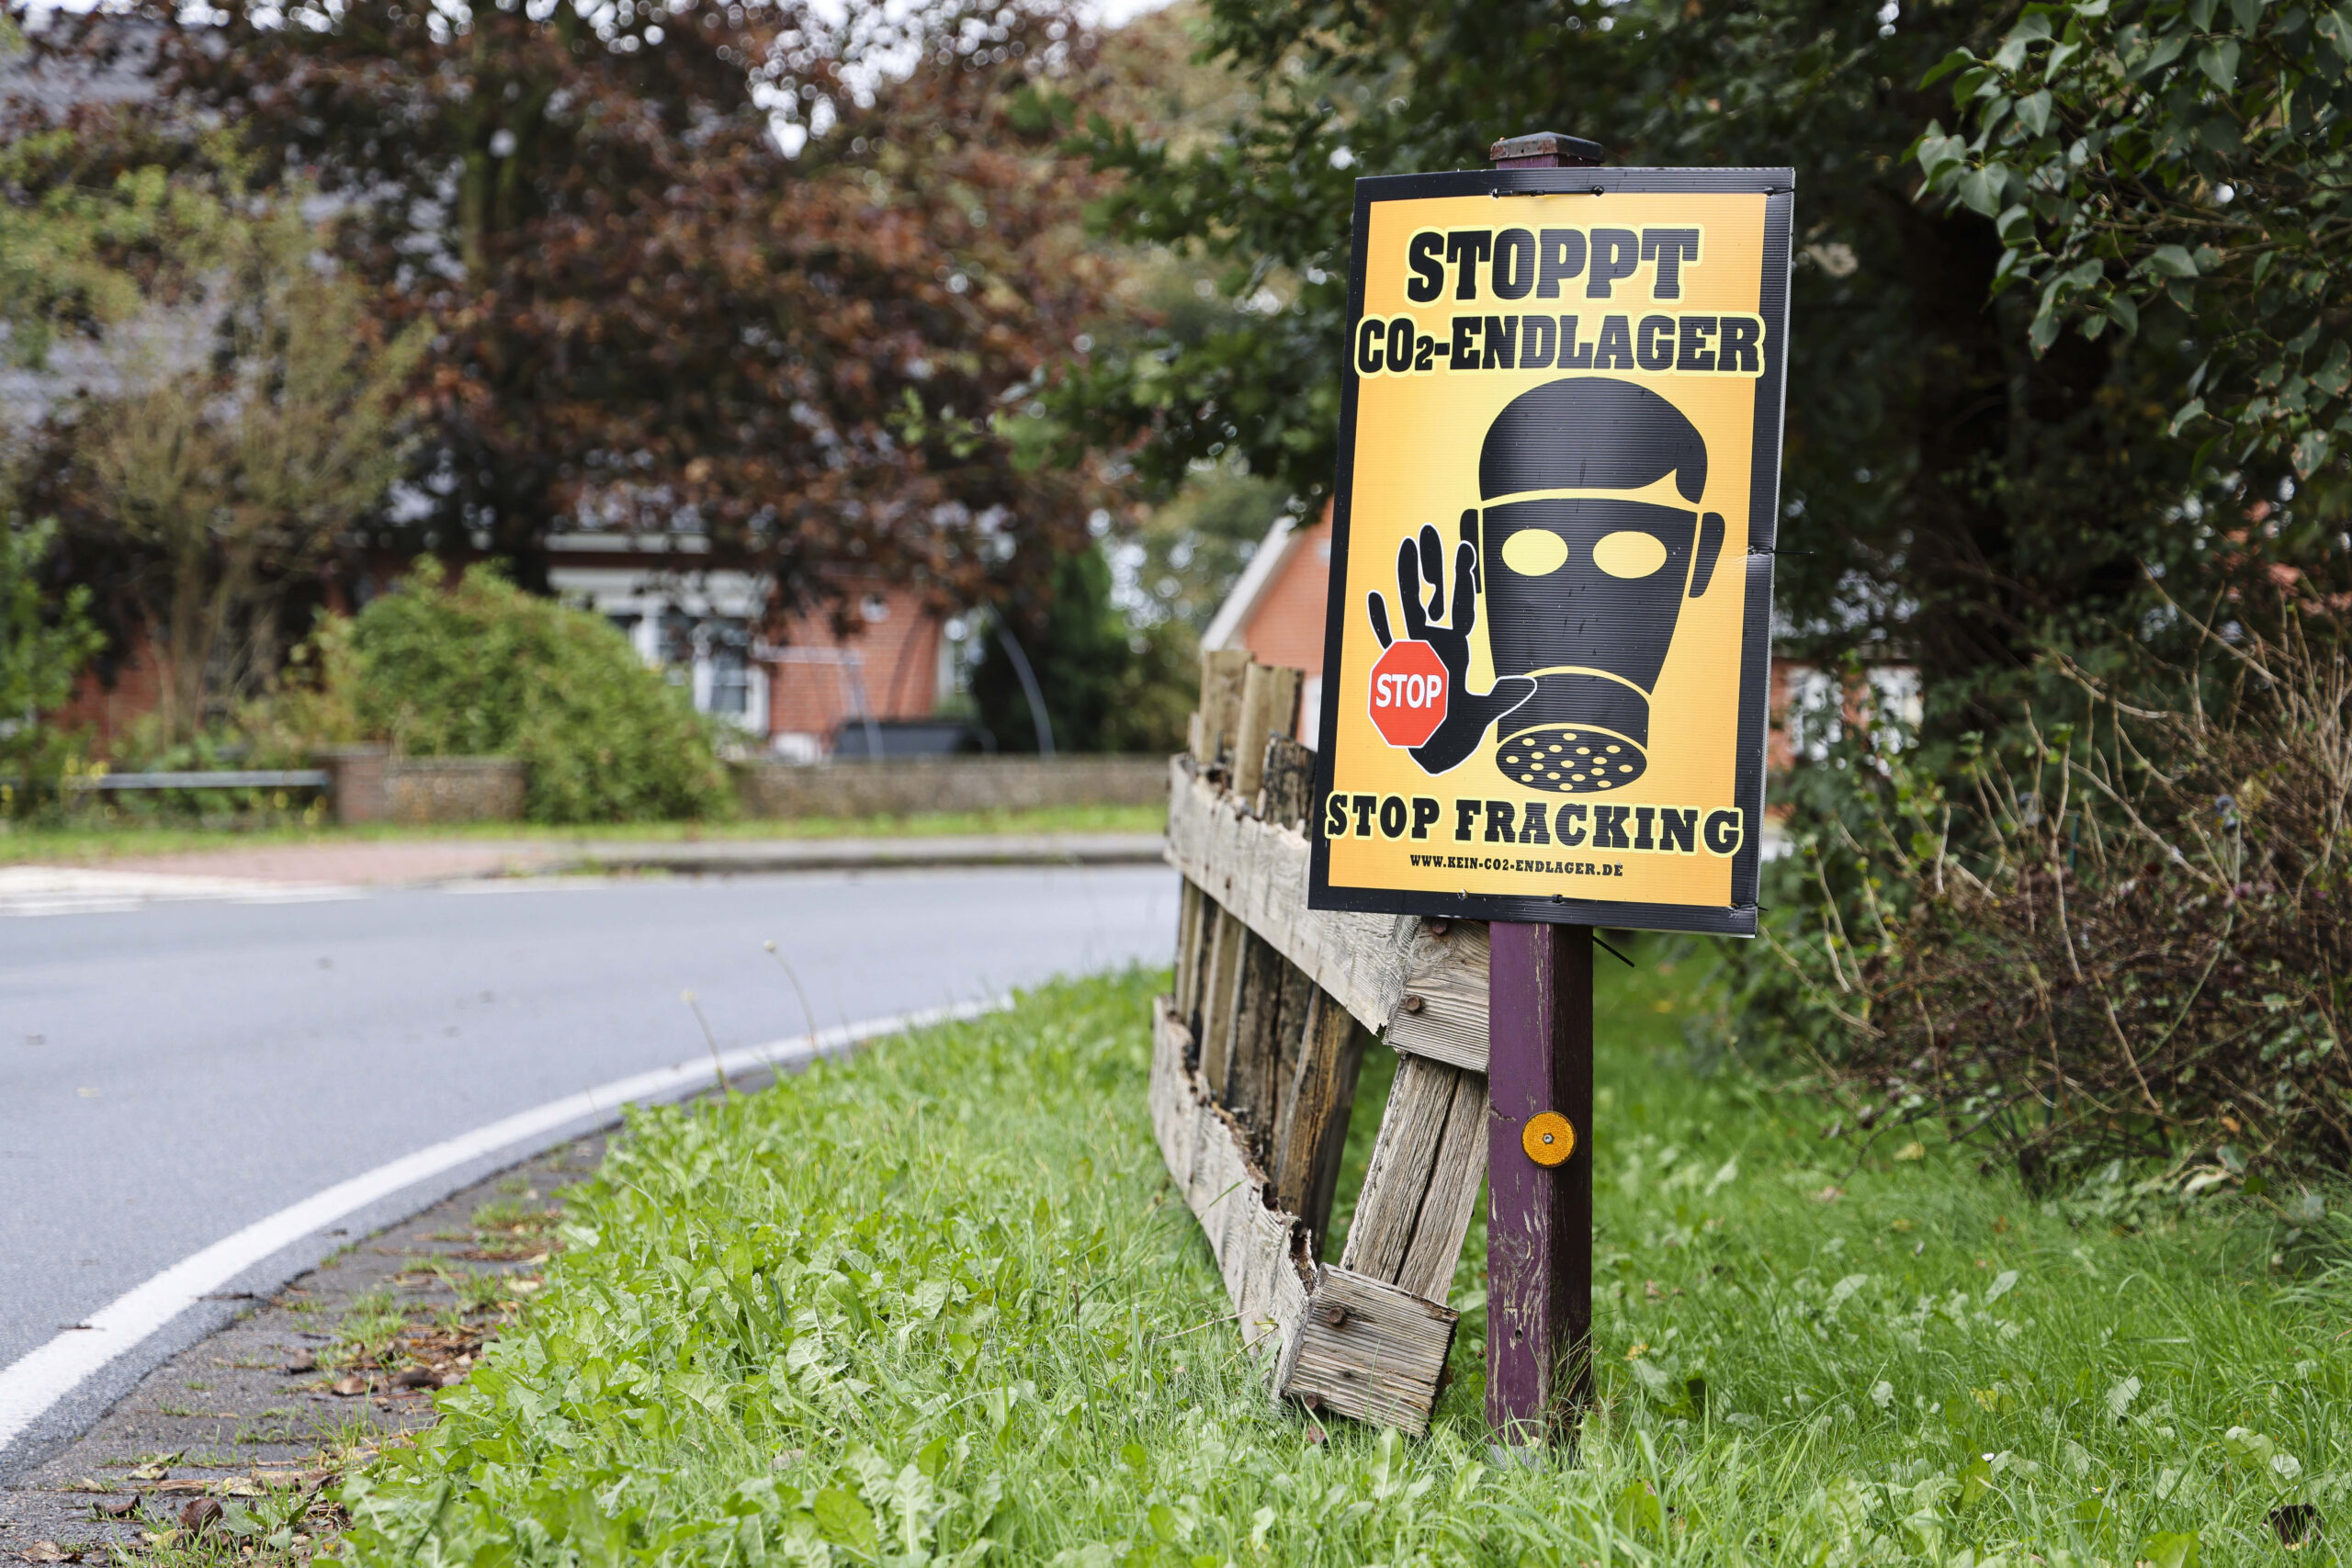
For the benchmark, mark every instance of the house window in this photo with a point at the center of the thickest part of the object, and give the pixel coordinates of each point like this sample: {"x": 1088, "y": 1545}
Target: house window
{"x": 728, "y": 644}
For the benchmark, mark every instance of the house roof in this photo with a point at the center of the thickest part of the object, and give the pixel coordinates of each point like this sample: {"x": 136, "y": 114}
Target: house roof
{"x": 1264, "y": 568}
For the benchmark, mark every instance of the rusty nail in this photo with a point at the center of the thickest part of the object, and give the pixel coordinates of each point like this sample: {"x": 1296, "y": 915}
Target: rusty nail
{"x": 1414, "y": 1004}
{"x": 1335, "y": 1315}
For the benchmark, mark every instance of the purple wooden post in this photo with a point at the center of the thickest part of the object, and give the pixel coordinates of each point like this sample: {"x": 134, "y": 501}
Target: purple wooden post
{"x": 1539, "y": 1058}
{"x": 1539, "y": 1218}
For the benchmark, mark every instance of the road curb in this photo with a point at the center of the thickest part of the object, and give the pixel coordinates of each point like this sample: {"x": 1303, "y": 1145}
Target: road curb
{"x": 744, "y": 858}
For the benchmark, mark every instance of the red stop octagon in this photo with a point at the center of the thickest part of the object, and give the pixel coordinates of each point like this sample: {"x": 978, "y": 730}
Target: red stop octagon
{"x": 1408, "y": 693}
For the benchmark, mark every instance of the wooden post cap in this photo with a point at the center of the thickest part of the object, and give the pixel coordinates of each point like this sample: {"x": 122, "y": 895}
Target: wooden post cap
{"x": 1549, "y": 1138}
{"x": 1545, "y": 150}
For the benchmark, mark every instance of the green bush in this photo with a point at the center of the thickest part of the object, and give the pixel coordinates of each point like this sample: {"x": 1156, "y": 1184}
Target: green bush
{"x": 45, "y": 640}
{"x": 483, "y": 668}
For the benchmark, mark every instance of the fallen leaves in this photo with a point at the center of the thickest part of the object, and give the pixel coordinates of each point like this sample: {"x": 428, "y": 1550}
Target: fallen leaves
{"x": 350, "y": 1385}
{"x": 50, "y": 1551}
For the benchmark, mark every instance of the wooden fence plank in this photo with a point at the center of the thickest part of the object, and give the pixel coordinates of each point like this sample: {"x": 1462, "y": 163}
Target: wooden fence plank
{"x": 1222, "y": 672}
{"x": 1312, "y": 1139}
{"x": 1269, "y": 703}
{"x": 1288, "y": 783}
{"x": 1368, "y": 1350}
{"x": 1354, "y": 1347}
{"x": 1249, "y": 1085}
{"x": 1412, "y": 1130}
{"x": 1217, "y": 996}
{"x": 1452, "y": 1196}
{"x": 1371, "y": 962}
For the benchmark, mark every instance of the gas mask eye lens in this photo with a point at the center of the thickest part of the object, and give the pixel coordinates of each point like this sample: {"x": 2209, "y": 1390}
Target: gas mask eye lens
{"x": 1628, "y": 553}
{"x": 1536, "y": 552}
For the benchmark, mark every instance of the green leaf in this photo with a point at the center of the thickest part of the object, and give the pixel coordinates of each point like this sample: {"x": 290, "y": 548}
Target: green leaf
{"x": 2311, "y": 450}
{"x": 2247, "y": 13}
{"x": 2170, "y": 1550}
{"x": 2334, "y": 376}
{"x": 2123, "y": 313}
{"x": 1982, "y": 188}
{"x": 2200, "y": 14}
{"x": 1136, "y": 1460}
{"x": 2337, "y": 30}
{"x": 2187, "y": 412}
{"x": 843, "y": 1518}
{"x": 2219, "y": 61}
{"x": 1638, "y": 1509}
{"x": 2167, "y": 50}
{"x": 2172, "y": 261}
{"x": 2033, "y": 112}
{"x": 1975, "y": 1481}
{"x": 1946, "y": 66}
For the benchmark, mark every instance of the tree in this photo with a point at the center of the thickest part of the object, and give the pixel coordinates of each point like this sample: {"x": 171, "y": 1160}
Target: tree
{"x": 1107, "y": 686}
{"x": 45, "y": 640}
{"x": 1952, "y": 499}
{"x": 239, "y": 451}
{"x": 648, "y": 315}
{"x": 2179, "y": 166}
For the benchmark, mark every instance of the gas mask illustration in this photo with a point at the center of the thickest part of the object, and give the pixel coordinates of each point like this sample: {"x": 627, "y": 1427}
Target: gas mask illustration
{"x": 1583, "y": 590}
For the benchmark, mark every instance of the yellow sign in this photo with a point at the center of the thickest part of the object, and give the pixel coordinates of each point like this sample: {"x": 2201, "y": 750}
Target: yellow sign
{"x": 1549, "y": 635}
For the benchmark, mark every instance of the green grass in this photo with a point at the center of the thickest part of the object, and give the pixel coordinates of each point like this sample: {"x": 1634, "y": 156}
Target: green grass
{"x": 939, "y": 1304}
{"x": 82, "y": 839}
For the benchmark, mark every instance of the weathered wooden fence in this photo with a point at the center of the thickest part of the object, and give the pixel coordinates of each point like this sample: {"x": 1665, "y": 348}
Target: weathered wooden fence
{"x": 1254, "y": 1068}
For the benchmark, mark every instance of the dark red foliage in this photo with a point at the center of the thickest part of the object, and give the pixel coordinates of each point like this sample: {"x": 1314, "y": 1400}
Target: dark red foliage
{"x": 650, "y": 317}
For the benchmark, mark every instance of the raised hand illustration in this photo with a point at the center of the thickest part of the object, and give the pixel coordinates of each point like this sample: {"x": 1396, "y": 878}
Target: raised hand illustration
{"x": 1468, "y": 714}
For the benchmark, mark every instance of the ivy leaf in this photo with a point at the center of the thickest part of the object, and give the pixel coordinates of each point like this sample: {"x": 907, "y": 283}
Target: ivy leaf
{"x": 2188, "y": 411}
{"x": 2172, "y": 261}
{"x": 2248, "y": 12}
{"x": 2123, "y": 313}
{"x": 2033, "y": 112}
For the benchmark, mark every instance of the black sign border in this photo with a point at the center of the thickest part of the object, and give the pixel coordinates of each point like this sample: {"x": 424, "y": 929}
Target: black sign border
{"x": 1739, "y": 916}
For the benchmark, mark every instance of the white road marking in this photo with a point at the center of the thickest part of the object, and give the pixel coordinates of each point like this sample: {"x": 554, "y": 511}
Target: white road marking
{"x": 40, "y": 1378}
{"x": 82, "y": 890}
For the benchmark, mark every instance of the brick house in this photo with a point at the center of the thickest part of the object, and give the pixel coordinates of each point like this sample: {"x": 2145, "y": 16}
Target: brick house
{"x": 1276, "y": 609}
{"x": 790, "y": 688}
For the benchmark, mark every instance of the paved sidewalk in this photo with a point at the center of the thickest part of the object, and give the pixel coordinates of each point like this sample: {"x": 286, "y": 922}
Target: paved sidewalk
{"x": 250, "y": 1410}
{"x": 353, "y": 864}
{"x": 341, "y": 868}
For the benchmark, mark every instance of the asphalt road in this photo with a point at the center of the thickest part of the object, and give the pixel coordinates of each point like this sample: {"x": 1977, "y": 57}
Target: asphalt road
{"x": 171, "y": 1074}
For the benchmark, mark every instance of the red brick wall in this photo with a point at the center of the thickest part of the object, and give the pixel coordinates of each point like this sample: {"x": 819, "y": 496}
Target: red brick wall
{"x": 106, "y": 712}
{"x": 1287, "y": 629}
{"x": 899, "y": 659}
